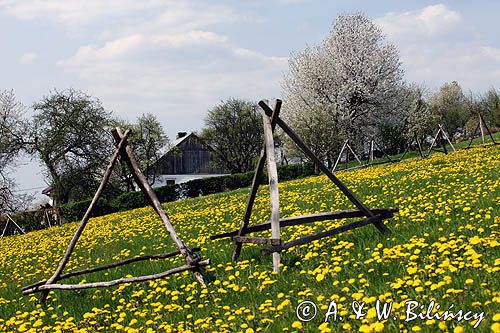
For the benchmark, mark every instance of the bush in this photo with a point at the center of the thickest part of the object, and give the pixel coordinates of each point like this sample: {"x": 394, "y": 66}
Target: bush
{"x": 294, "y": 171}
{"x": 130, "y": 200}
{"x": 239, "y": 180}
{"x": 74, "y": 211}
{"x": 168, "y": 193}
{"x": 34, "y": 220}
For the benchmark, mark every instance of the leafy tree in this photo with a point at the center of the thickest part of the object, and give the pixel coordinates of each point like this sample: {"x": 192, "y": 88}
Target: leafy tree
{"x": 72, "y": 140}
{"x": 490, "y": 107}
{"x": 353, "y": 77}
{"x": 147, "y": 139}
{"x": 12, "y": 127}
{"x": 234, "y": 129}
{"x": 319, "y": 130}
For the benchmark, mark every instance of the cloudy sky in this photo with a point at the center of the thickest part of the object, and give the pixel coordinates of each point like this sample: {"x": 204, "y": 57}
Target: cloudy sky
{"x": 176, "y": 59}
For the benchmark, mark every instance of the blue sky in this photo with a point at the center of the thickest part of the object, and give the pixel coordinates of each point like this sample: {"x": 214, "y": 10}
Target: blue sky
{"x": 176, "y": 59}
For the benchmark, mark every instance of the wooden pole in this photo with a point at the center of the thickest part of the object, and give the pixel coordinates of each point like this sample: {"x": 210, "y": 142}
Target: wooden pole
{"x": 255, "y": 186}
{"x": 383, "y": 151}
{"x": 128, "y": 157}
{"x": 482, "y": 130}
{"x": 328, "y": 233}
{"x": 419, "y": 147}
{"x": 443, "y": 133}
{"x": 112, "y": 265}
{"x": 5, "y": 228}
{"x": 47, "y": 287}
{"x": 304, "y": 219}
{"x": 370, "y": 159}
{"x": 340, "y": 156}
{"x": 273, "y": 186}
{"x": 487, "y": 128}
{"x": 307, "y": 151}
{"x": 473, "y": 136}
{"x": 18, "y": 227}
{"x": 48, "y": 218}
{"x": 354, "y": 154}
{"x": 121, "y": 144}
{"x": 434, "y": 141}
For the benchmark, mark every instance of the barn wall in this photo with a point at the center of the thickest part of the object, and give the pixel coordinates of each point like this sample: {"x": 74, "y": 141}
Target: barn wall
{"x": 192, "y": 157}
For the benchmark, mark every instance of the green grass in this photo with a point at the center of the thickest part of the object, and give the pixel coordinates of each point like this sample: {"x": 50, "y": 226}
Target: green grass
{"x": 443, "y": 247}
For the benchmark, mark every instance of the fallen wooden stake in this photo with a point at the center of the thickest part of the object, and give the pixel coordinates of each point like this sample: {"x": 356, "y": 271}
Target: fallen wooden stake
{"x": 112, "y": 265}
{"x": 118, "y": 281}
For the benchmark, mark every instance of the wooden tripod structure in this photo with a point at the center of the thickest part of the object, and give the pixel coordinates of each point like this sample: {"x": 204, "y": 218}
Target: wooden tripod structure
{"x": 374, "y": 143}
{"x": 408, "y": 147}
{"x": 346, "y": 148}
{"x": 440, "y": 137}
{"x": 482, "y": 127}
{"x": 194, "y": 261}
{"x": 376, "y": 217}
{"x": 344, "y": 151}
{"x": 10, "y": 220}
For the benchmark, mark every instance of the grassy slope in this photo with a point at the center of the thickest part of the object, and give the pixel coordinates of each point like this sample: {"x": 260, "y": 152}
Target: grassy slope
{"x": 444, "y": 247}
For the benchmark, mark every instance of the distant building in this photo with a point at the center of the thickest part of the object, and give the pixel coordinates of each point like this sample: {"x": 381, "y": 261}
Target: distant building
{"x": 188, "y": 158}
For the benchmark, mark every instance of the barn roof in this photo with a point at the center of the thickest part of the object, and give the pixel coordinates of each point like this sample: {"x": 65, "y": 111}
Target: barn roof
{"x": 165, "y": 149}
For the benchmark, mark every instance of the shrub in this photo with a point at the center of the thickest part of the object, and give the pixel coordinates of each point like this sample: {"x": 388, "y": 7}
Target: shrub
{"x": 74, "y": 211}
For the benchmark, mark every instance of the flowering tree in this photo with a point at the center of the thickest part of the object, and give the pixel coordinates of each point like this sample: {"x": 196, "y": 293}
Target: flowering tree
{"x": 12, "y": 127}
{"x": 353, "y": 76}
{"x": 449, "y": 106}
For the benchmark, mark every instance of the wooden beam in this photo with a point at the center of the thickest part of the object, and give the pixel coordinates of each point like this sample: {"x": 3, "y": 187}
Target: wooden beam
{"x": 383, "y": 151}
{"x": 47, "y": 287}
{"x": 434, "y": 141}
{"x": 307, "y": 151}
{"x": 272, "y": 173}
{"x": 128, "y": 157}
{"x": 488, "y": 129}
{"x": 255, "y": 186}
{"x": 328, "y": 233}
{"x": 340, "y": 155}
{"x": 443, "y": 133}
{"x": 113, "y": 265}
{"x": 355, "y": 156}
{"x": 303, "y": 219}
{"x": 256, "y": 240}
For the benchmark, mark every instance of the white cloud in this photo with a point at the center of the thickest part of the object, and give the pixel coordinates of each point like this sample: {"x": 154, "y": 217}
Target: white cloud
{"x": 195, "y": 37}
{"x": 172, "y": 59}
{"x": 430, "y": 21}
{"x": 28, "y": 58}
{"x": 75, "y": 12}
{"x": 437, "y": 45}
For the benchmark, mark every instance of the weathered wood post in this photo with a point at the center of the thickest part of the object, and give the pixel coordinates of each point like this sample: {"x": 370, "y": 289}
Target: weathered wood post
{"x": 273, "y": 186}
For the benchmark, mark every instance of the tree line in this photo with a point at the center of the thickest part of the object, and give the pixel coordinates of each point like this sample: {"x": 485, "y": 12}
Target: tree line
{"x": 350, "y": 86}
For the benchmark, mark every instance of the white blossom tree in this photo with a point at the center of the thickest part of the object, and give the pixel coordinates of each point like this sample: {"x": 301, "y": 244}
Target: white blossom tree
{"x": 354, "y": 76}
{"x": 12, "y": 127}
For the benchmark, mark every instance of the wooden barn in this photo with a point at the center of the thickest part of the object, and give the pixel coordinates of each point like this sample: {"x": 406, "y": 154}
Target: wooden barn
{"x": 189, "y": 157}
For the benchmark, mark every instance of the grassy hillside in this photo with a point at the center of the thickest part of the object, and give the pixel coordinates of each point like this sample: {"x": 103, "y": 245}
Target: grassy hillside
{"x": 444, "y": 247}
